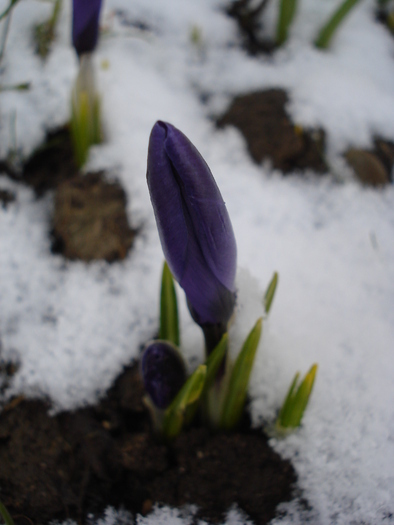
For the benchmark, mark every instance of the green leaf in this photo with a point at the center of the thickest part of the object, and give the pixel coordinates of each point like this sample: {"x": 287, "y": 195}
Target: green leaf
{"x": 239, "y": 379}
{"x": 176, "y": 414}
{"x": 327, "y": 31}
{"x": 6, "y": 515}
{"x": 296, "y": 401}
{"x": 169, "y": 322}
{"x": 287, "y": 11}
{"x": 270, "y": 292}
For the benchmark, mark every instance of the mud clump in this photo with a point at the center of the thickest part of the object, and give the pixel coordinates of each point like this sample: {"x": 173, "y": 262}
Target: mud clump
{"x": 270, "y": 134}
{"x": 90, "y": 221}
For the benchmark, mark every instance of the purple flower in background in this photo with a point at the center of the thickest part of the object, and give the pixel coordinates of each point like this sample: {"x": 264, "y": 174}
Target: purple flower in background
{"x": 85, "y": 25}
{"x": 163, "y": 372}
{"x": 194, "y": 226}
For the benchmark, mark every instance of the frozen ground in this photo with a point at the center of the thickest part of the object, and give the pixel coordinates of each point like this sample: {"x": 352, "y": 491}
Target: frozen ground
{"x": 73, "y": 326}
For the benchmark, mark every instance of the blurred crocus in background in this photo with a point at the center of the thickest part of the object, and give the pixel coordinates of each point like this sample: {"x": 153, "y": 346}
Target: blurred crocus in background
{"x": 194, "y": 228}
{"x": 86, "y": 127}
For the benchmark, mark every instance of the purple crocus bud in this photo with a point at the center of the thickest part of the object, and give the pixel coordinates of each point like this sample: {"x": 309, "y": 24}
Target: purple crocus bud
{"x": 194, "y": 226}
{"x": 163, "y": 372}
{"x": 85, "y": 25}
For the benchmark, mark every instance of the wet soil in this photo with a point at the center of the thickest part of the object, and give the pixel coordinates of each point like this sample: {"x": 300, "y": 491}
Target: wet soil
{"x": 89, "y": 220}
{"x": 262, "y": 119}
{"x": 89, "y": 214}
{"x": 76, "y": 463}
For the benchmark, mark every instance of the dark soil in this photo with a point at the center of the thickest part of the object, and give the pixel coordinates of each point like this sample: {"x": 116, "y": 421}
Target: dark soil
{"x": 50, "y": 164}
{"x": 269, "y": 132}
{"x": 77, "y": 463}
{"x": 89, "y": 219}
{"x": 6, "y": 197}
{"x": 247, "y": 15}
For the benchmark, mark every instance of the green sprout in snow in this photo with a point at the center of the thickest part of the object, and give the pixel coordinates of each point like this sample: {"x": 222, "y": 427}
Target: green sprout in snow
{"x": 296, "y": 401}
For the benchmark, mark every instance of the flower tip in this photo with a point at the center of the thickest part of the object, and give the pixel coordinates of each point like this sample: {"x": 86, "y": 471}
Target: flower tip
{"x": 85, "y": 26}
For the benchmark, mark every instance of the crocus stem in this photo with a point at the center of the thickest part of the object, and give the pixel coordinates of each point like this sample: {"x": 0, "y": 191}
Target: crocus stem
{"x": 212, "y": 335}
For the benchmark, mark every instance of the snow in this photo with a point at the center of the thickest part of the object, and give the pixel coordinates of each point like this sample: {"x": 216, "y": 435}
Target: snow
{"x": 72, "y": 326}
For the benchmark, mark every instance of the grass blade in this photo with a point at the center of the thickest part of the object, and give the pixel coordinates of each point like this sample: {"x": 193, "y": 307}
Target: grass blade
{"x": 239, "y": 379}
{"x": 327, "y": 31}
{"x": 169, "y": 321}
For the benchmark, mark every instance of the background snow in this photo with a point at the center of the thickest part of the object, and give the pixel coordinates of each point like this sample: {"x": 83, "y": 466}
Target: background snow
{"x": 73, "y": 326}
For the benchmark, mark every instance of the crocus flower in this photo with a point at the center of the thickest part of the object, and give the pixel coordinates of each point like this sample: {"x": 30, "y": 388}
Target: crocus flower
{"x": 194, "y": 226}
{"x": 163, "y": 372}
{"x": 85, "y": 25}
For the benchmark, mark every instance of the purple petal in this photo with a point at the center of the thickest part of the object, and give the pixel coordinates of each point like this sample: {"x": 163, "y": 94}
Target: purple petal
{"x": 163, "y": 372}
{"x": 194, "y": 227}
{"x": 85, "y": 25}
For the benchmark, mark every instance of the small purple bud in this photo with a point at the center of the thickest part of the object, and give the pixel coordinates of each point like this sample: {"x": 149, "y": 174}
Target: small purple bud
{"x": 163, "y": 372}
{"x": 194, "y": 226}
{"x": 85, "y": 25}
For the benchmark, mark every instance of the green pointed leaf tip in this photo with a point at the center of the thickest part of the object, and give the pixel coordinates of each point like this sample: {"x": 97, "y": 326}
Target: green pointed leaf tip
{"x": 169, "y": 321}
{"x": 5, "y": 515}
{"x": 327, "y": 31}
{"x": 239, "y": 379}
{"x": 270, "y": 292}
{"x": 189, "y": 394}
{"x": 296, "y": 401}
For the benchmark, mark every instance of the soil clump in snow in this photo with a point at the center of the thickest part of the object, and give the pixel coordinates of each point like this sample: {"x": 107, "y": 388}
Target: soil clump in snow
{"x": 270, "y": 134}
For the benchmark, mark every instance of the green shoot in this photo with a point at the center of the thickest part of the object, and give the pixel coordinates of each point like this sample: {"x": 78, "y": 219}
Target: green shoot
{"x": 169, "y": 322}
{"x": 85, "y": 112}
{"x": 298, "y": 395}
{"x": 176, "y": 415}
{"x": 5, "y": 515}
{"x": 239, "y": 379}
{"x": 287, "y": 10}
{"x": 44, "y": 33}
{"x": 270, "y": 293}
{"x": 327, "y": 31}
